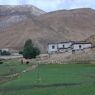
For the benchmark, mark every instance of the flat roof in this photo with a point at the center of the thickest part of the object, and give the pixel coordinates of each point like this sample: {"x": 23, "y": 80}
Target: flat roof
{"x": 61, "y": 42}
{"x": 82, "y": 43}
{"x": 73, "y": 42}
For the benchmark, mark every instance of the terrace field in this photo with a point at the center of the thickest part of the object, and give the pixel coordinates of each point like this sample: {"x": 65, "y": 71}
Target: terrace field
{"x": 50, "y": 79}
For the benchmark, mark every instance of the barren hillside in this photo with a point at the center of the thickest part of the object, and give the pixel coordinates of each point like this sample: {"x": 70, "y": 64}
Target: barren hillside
{"x": 20, "y": 10}
{"x": 55, "y": 26}
{"x": 76, "y": 24}
{"x": 91, "y": 39}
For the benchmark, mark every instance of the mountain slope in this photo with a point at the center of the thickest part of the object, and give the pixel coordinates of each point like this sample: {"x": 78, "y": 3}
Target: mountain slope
{"x": 91, "y": 39}
{"x": 56, "y": 26}
{"x": 76, "y": 24}
{"x": 20, "y": 10}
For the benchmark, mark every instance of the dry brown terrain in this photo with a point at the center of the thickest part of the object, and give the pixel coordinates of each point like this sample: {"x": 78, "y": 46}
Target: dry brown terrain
{"x": 80, "y": 57}
{"x": 91, "y": 39}
{"x": 76, "y": 24}
{"x": 64, "y": 25}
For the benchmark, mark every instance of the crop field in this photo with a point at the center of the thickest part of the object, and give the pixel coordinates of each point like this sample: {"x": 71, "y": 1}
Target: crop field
{"x": 50, "y": 79}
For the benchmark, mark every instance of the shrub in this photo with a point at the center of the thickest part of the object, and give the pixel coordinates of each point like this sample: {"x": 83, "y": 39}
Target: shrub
{"x": 1, "y": 62}
{"x": 36, "y": 52}
{"x": 20, "y": 52}
{"x": 29, "y": 50}
{"x": 5, "y": 53}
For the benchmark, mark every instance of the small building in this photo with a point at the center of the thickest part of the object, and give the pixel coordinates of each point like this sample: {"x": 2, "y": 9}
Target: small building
{"x": 68, "y": 46}
{"x": 64, "y": 46}
{"x": 52, "y": 48}
{"x": 59, "y": 47}
{"x": 4, "y": 49}
{"x": 78, "y": 46}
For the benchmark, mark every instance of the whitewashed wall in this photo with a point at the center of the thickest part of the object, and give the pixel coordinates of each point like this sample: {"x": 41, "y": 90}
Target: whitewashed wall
{"x": 4, "y": 49}
{"x": 50, "y": 49}
{"x": 83, "y": 46}
{"x": 66, "y": 45}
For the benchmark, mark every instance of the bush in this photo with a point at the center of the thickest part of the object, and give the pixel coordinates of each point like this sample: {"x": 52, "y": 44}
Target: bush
{"x": 29, "y": 50}
{"x": 36, "y": 52}
{"x": 20, "y": 52}
{"x": 1, "y": 62}
{"x": 5, "y": 53}
{"x": 0, "y": 52}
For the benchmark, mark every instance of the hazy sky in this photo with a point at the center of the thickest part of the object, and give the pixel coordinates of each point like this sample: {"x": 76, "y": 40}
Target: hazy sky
{"x": 51, "y": 5}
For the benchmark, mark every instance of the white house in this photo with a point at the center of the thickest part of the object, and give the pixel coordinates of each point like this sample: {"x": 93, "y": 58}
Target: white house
{"x": 4, "y": 49}
{"x": 52, "y": 47}
{"x": 58, "y": 47}
{"x": 76, "y": 46}
{"x": 64, "y": 45}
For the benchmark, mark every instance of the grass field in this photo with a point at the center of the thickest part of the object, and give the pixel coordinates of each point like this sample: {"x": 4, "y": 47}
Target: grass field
{"x": 64, "y": 79}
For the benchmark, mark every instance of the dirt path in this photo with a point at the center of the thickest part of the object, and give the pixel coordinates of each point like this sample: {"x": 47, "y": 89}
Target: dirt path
{"x": 29, "y": 68}
{"x": 4, "y": 79}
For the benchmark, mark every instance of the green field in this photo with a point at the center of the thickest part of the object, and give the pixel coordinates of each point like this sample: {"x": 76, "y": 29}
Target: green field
{"x": 64, "y": 79}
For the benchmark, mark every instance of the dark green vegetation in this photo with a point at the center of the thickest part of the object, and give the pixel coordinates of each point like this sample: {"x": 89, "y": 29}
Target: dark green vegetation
{"x": 4, "y": 53}
{"x": 29, "y": 50}
{"x": 1, "y": 61}
{"x": 65, "y": 79}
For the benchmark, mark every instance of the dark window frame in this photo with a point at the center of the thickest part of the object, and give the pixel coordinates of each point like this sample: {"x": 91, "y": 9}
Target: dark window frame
{"x": 53, "y": 46}
{"x": 63, "y": 46}
{"x": 80, "y": 46}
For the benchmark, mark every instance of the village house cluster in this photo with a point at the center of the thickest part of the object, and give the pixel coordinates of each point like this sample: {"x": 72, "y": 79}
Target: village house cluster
{"x": 10, "y": 51}
{"x": 60, "y": 47}
{"x": 68, "y": 46}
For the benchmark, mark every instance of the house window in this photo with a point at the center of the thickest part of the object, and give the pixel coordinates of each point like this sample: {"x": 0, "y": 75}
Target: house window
{"x": 53, "y": 47}
{"x": 80, "y": 46}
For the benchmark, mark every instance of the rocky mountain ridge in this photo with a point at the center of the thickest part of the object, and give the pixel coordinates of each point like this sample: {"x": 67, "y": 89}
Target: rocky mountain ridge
{"x": 63, "y": 25}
